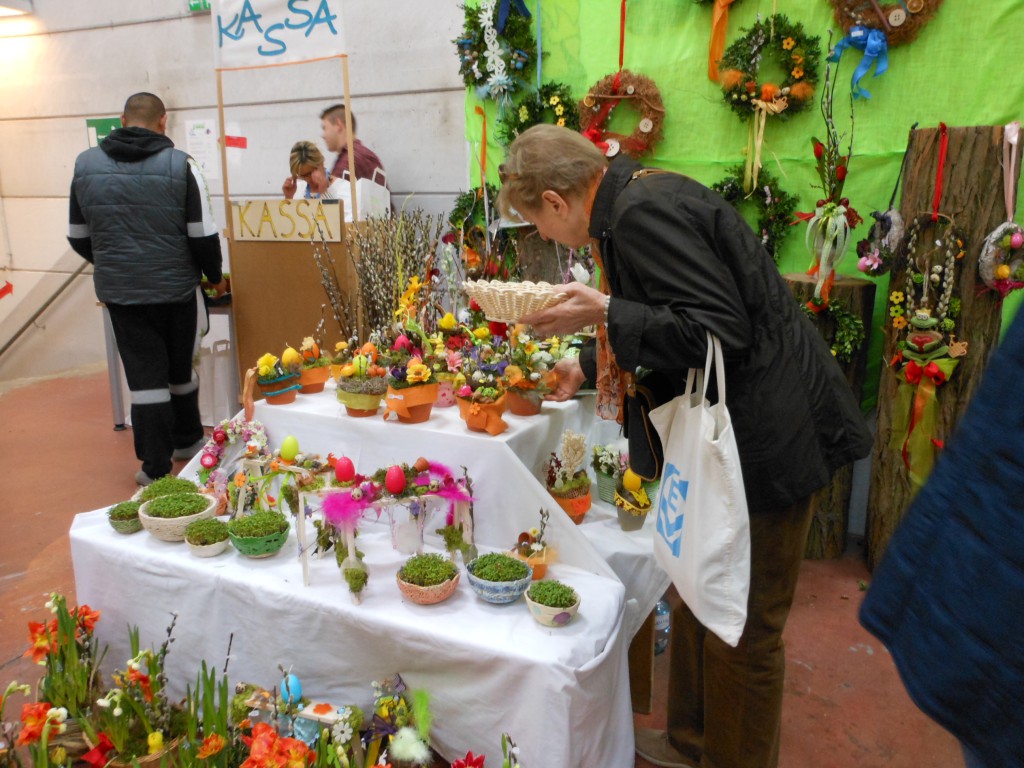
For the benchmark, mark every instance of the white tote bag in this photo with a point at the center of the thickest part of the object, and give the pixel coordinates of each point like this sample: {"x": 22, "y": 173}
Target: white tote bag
{"x": 703, "y": 532}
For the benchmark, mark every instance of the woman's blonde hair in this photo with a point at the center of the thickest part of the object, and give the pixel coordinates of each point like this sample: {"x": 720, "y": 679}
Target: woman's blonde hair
{"x": 547, "y": 157}
{"x": 304, "y": 153}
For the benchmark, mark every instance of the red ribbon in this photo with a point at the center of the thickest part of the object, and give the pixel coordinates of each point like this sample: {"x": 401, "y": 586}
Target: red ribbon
{"x": 622, "y": 44}
{"x": 913, "y": 373}
{"x": 483, "y": 149}
{"x": 97, "y": 756}
{"x": 943, "y": 148}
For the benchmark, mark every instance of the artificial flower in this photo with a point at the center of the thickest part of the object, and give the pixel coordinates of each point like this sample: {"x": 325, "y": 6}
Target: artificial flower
{"x": 469, "y": 761}
{"x": 212, "y": 745}
{"x": 798, "y": 72}
{"x": 265, "y": 365}
{"x": 447, "y": 322}
{"x": 136, "y": 676}
{"x": 896, "y": 297}
{"x": 559, "y": 110}
{"x": 524, "y": 114}
{"x": 341, "y": 346}
{"x": 41, "y": 641}
{"x": 553, "y": 100}
{"x": 322, "y": 708}
{"x": 788, "y": 43}
{"x": 899, "y": 323}
{"x": 561, "y": 122}
{"x": 513, "y": 375}
{"x": 482, "y": 332}
{"x": 86, "y": 617}
{"x": 33, "y": 719}
{"x": 416, "y": 372}
{"x": 895, "y": 310}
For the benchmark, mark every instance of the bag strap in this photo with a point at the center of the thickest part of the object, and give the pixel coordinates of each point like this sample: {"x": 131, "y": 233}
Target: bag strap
{"x": 714, "y": 343}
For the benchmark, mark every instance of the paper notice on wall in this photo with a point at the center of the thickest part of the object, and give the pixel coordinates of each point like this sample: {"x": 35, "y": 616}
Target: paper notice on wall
{"x": 201, "y": 143}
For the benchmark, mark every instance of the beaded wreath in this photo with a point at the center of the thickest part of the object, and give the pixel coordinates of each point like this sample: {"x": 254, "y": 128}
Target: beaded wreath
{"x": 932, "y": 251}
{"x": 553, "y": 103}
{"x": 496, "y": 64}
{"x": 903, "y": 21}
{"x": 797, "y": 53}
{"x": 774, "y": 205}
{"x": 638, "y": 91}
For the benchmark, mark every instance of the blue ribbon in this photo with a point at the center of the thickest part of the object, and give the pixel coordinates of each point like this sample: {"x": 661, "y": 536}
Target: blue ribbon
{"x": 503, "y": 11}
{"x": 876, "y": 51}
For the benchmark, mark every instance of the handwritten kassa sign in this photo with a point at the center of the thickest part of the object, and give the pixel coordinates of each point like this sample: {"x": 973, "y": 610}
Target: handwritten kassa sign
{"x": 284, "y": 221}
{"x": 260, "y": 33}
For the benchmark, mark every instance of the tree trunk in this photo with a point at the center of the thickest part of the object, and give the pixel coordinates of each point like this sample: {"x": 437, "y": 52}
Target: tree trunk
{"x": 831, "y": 505}
{"x": 540, "y": 261}
{"x": 972, "y": 194}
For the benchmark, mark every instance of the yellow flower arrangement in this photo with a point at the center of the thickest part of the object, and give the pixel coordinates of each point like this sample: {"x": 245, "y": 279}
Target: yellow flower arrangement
{"x": 265, "y": 365}
{"x": 416, "y": 372}
{"x": 448, "y": 322}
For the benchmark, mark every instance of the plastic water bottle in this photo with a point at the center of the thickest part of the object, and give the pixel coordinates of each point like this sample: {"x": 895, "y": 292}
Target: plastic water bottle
{"x": 662, "y": 625}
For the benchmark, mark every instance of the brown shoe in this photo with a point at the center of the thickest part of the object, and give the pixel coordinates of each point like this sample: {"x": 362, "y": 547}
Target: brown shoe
{"x": 654, "y": 747}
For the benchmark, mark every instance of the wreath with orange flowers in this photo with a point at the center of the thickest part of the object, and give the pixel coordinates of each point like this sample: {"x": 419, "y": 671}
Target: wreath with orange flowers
{"x": 624, "y": 87}
{"x": 797, "y": 54}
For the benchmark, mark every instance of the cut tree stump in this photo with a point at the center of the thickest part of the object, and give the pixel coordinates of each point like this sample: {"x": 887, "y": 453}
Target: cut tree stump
{"x": 540, "y": 261}
{"x": 972, "y": 194}
{"x": 831, "y": 505}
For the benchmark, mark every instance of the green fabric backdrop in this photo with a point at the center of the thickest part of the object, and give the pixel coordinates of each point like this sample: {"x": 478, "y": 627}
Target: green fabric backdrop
{"x": 963, "y": 69}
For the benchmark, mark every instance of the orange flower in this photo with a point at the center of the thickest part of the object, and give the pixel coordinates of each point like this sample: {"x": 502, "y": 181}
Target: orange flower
{"x": 798, "y": 72}
{"x": 86, "y": 617}
{"x": 240, "y": 480}
{"x": 295, "y": 753}
{"x": 471, "y": 257}
{"x": 730, "y": 78}
{"x": 788, "y": 43}
{"x": 322, "y": 708}
{"x": 513, "y": 375}
{"x": 769, "y": 91}
{"x": 212, "y": 744}
{"x": 801, "y": 91}
{"x": 798, "y": 59}
{"x": 33, "y": 720}
{"x": 899, "y": 323}
{"x": 751, "y": 86}
{"x": 274, "y": 465}
{"x": 135, "y": 676}
{"x": 41, "y": 642}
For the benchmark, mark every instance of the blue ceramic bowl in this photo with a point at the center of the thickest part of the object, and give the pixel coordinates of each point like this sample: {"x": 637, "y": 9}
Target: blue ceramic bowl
{"x": 498, "y": 591}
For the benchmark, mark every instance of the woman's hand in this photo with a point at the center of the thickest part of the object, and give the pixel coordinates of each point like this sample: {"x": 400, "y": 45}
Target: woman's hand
{"x": 584, "y": 306}
{"x": 569, "y": 379}
{"x": 289, "y": 187}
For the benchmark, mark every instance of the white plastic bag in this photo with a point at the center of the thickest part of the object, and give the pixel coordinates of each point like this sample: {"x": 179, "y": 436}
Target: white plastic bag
{"x": 372, "y": 195}
{"x": 703, "y": 531}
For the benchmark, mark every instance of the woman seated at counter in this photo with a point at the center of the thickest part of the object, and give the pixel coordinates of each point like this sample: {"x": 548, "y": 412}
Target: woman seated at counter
{"x": 309, "y": 177}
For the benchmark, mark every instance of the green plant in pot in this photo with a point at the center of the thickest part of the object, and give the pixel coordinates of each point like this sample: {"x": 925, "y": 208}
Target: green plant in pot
{"x": 124, "y": 517}
{"x": 166, "y": 517}
{"x": 207, "y": 537}
{"x": 499, "y": 578}
{"x": 260, "y": 534}
{"x": 165, "y": 486}
{"x": 552, "y": 603}
{"x": 428, "y": 578}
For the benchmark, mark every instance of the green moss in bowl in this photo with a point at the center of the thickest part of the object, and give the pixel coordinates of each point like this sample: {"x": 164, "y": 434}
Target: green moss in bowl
{"x": 167, "y": 485}
{"x": 206, "y": 531}
{"x": 427, "y": 570}
{"x": 258, "y": 525}
{"x": 177, "y": 505}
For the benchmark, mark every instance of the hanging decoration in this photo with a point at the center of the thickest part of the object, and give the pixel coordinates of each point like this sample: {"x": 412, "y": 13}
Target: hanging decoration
{"x": 900, "y": 22}
{"x": 553, "y": 103}
{"x": 846, "y": 335}
{"x": 497, "y": 50}
{"x": 877, "y": 251}
{"x": 798, "y": 55}
{"x": 926, "y": 310}
{"x": 485, "y": 254}
{"x": 624, "y": 86}
{"x": 719, "y": 27}
{"x": 1001, "y": 264}
{"x": 872, "y": 43}
{"x": 775, "y": 206}
{"x": 833, "y": 219}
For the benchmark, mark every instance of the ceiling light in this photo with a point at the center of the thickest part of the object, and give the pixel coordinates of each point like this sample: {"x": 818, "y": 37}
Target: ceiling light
{"x": 15, "y": 7}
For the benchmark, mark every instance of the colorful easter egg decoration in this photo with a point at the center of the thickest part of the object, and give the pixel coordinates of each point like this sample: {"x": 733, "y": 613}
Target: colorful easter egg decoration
{"x": 631, "y": 481}
{"x": 394, "y": 480}
{"x": 344, "y": 469}
{"x": 291, "y": 689}
{"x": 289, "y": 448}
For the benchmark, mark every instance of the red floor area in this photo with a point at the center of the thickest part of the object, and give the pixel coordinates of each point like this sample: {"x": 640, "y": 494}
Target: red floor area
{"x": 844, "y": 706}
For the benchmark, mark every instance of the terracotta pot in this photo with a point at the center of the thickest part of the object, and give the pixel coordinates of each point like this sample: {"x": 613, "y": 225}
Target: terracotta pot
{"x": 576, "y": 507}
{"x": 413, "y": 404}
{"x": 358, "y": 404}
{"x": 428, "y": 595}
{"x": 538, "y": 562}
{"x": 484, "y": 417}
{"x": 280, "y": 390}
{"x": 523, "y": 403}
{"x": 313, "y": 379}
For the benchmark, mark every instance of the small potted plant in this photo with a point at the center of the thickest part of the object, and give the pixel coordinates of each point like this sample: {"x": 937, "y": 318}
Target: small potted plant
{"x": 445, "y": 366}
{"x": 261, "y": 534}
{"x": 632, "y": 502}
{"x": 361, "y": 381}
{"x": 207, "y": 537}
{"x": 164, "y": 486}
{"x": 315, "y": 367}
{"x": 552, "y": 603}
{"x": 608, "y": 463}
{"x": 498, "y": 577}
{"x": 428, "y": 578}
{"x": 481, "y": 398}
{"x": 278, "y": 383}
{"x": 527, "y": 378}
{"x": 411, "y": 391}
{"x": 124, "y": 517}
{"x": 533, "y": 549}
{"x": 167, "y": 517}
{"x": 567, "y": 479}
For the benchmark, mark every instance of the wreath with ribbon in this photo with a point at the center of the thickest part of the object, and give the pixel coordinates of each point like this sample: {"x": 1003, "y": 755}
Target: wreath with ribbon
{"x": 901, "y": 22}
{"x": 497, "y": 50}
{"x": 624, "y": 87}
{"x": 484, "y": 255}
{"x": 774, "y": 205}
{"x": 797, "y": 53}
{"x": 553, "y": 103}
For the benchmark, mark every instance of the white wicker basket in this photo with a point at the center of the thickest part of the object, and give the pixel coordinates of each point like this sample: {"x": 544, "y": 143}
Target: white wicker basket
{"x": 173, "y": 528}
{"x": 507, "y": 302}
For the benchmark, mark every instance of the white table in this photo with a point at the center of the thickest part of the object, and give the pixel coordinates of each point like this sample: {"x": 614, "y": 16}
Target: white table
{"x": 562, "y": 694}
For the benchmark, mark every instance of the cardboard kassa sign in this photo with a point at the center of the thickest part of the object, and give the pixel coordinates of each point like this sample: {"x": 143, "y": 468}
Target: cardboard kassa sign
{"x": 287, "y": 220}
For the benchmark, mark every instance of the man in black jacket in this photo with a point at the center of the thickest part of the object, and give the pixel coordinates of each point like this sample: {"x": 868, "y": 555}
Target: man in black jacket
{"x": 678, "y": 261}
{"x": 140, "y": 212}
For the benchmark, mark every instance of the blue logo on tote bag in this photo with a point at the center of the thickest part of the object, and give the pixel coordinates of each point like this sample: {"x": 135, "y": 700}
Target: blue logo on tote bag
{"x": 670, "y": 508}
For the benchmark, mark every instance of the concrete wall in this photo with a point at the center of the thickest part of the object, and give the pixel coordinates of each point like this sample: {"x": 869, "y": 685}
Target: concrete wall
{"x": 72, "y": 60}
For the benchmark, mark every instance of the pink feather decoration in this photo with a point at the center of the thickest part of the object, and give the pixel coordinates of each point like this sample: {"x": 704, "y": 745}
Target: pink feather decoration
{"x": 343, "y": 511}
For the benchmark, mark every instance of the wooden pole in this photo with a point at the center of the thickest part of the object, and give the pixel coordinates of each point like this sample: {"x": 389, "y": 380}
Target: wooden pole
{"x": 972, "y": 194}
{"x": 224, "y": 160}
{"x": 349, "y": 138}
{"x": 831, "y": 505}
